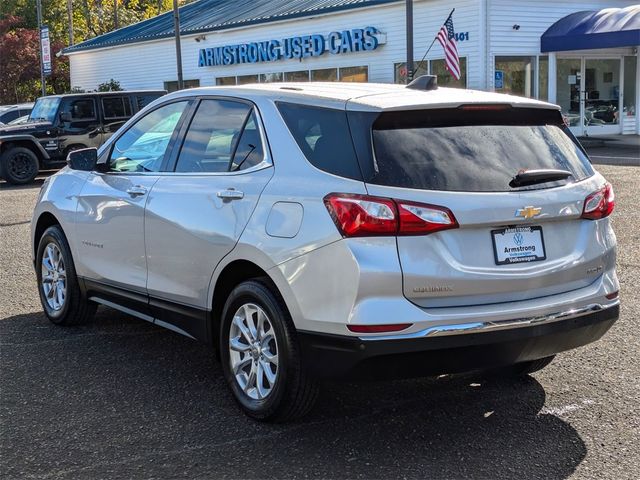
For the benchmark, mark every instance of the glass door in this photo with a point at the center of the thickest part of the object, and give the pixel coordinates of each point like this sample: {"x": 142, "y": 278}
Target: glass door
{"x": 601, "y": 96}
{"x": 569, "y": 79}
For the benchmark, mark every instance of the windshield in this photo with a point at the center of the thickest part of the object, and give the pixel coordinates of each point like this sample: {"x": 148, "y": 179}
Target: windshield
{"x": 45, "y": 109}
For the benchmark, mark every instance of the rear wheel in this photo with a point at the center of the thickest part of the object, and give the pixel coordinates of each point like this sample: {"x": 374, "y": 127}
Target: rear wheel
{"x": 260, "y": 356}
{"x": 19, "y": 165}
{"x": 60, "y": 294}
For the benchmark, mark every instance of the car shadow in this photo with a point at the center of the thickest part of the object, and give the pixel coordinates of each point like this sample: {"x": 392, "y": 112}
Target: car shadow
{"x": 142, "y": 401}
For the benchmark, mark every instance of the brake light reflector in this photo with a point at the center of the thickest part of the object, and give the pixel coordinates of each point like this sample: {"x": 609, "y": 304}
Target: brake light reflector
{"x": 599, "y": 204}
{"x": 612, "y": 295}
{"x": 378, "y": 328}
{"x": 366, "y": 215}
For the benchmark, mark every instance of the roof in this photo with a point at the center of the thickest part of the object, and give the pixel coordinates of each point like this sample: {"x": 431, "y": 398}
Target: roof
{"x": 102, "y": 94}
{"x": 215, "y": 15}
{"x": 608, "y": 28}
{"x": 367, "y": 96}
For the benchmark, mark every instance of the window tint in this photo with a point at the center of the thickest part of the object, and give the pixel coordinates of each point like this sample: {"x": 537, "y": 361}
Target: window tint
{"x": 116, "y": 107}
{"x": 323, "y": 136}
{"x": 142, "y": 148}
{"x": 142, "y": 101}
{"x": 422, "y": 150}
{"x": 249, "y": 152}
{"x": 212, "y": 137}
{"x": 81, "y": 109}
{"x": 9, "y": 116}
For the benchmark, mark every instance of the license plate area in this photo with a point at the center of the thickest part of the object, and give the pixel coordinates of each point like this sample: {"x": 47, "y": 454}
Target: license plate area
{"x": 518, "y": 245}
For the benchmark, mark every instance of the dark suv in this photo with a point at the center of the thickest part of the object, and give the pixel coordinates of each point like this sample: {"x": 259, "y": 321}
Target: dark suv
{"x": 59, "y": 124}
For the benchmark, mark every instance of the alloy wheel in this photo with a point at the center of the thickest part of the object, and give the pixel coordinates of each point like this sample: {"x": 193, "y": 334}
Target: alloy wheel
{"x": 54, "y": 277}
{"x": 253, "y": 351}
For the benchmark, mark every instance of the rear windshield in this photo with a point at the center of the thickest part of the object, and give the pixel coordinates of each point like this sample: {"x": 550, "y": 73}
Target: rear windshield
{"x": 437, "y": 149}
{"x": 480, "y": 154}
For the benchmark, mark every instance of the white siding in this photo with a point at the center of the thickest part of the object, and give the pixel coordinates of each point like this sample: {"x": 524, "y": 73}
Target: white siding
{"x": 148, "y": 65}
{"x": 534, "y": 17}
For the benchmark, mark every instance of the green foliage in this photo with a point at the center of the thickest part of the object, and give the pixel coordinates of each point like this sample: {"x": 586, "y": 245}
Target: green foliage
{"x": 110, "y": 86}
{"x": 19, "y": 39}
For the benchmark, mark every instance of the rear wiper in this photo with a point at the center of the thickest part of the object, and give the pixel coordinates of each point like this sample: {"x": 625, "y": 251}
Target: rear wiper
{"x": 532, "y": 177}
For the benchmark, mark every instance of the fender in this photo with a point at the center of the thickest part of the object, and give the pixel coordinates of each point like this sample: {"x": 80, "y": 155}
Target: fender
{"x": 29, "y": 138}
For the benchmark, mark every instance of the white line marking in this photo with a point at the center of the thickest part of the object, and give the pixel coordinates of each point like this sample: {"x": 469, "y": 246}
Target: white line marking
{"x": 616, "y": 158}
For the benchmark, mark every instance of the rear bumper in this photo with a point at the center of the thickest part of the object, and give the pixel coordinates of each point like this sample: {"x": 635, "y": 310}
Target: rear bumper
{"x": 338, "y": 356}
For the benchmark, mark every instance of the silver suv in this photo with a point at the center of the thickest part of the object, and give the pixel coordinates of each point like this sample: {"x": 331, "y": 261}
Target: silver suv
{"x": 331, "y": 230}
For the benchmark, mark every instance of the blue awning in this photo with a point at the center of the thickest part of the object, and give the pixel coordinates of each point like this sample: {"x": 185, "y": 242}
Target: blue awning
{"x": 608, "y": 28}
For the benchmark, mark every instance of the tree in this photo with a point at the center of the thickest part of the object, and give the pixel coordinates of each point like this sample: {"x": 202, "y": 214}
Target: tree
{"x": 19, "y": 38}
{"x": 110, "y": 86}
{"x": 20, "y": 63}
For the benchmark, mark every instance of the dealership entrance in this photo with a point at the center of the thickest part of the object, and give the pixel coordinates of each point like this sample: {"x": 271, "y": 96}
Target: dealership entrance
{"x": 588, "y": 91}
{"x": 593, "y": 57}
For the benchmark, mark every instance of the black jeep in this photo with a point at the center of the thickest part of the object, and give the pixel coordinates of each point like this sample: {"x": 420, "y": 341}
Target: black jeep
{"x": 59, "y": 124}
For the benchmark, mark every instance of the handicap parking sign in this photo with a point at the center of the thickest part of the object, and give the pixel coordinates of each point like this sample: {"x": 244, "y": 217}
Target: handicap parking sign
{"x": 498, "y": 79}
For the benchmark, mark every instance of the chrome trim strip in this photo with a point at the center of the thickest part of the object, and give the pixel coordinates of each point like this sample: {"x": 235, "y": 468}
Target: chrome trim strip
{"x": 479, "y": 327}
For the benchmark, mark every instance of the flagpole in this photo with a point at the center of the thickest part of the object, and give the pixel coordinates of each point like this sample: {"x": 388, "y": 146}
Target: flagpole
{"x": 434, "y": 40}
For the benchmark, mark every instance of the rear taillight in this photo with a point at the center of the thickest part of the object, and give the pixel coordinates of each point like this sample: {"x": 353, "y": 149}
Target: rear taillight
{"x": 366, "y": 215}
{"x": 599, "y": 204}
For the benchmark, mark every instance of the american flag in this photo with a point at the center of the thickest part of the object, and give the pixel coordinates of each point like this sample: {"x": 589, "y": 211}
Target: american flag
{"x": 447, "y": 38}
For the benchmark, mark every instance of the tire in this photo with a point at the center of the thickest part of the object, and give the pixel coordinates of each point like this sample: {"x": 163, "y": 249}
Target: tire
{"x": 19, "y": 165}
{"x": 72, "y": 308}
{"x": 287, "y": 391}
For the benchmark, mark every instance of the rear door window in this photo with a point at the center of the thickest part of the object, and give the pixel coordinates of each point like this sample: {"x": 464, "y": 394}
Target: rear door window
{"x": 479, "y": 153}
{"x": 116, "y": 107}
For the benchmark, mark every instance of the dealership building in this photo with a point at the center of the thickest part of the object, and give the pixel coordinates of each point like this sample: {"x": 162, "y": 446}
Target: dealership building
{"x": 582, "y": 55}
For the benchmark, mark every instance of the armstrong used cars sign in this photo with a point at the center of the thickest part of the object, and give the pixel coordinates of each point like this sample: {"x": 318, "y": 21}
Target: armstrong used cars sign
{"x": 303, "y": 46}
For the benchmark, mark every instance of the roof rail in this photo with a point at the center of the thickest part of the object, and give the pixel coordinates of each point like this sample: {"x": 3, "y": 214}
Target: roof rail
{"x": 424, "y": 82}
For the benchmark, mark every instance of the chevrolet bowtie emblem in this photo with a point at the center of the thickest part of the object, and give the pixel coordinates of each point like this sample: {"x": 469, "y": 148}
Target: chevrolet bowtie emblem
{"x": 528, "y": 212}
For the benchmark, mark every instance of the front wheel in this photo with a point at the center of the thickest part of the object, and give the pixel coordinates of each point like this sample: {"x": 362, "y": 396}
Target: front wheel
{"x": 260, "y": 356}
{"x": 19, "y": 165}
{"x": 60, "y": 294}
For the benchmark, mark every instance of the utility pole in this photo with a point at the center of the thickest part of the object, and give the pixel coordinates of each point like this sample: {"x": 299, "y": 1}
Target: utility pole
{"x": 115, "y": 15}
{"x": 409, "y": 27}
{"x": 176, "y": 27}
{"x": 39, "y": 14}
{"x": 70, "y": 20}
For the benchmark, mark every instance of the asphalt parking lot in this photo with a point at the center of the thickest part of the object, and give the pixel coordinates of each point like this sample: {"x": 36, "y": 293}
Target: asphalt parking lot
{"x": 120, "y": 398}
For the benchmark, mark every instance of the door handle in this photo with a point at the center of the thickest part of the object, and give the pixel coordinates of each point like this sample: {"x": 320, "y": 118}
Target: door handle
{"x": 230, "y": 194}
{"x": 136, "y": 190}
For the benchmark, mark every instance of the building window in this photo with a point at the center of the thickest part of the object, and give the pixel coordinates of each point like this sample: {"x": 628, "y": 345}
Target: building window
{"x": 436, "y": 67}
{"x": 324, "y": 75}
{"x": 299, "y": 76}
{"x": 270, "y": 77}
{"x": 400, "y": 71}
{"x": 226, "y": 81}
{"x": 354, "y": 74}
{"x": 543, "y": 78}
{"x": 629, "y": 94}
{"x": 172, "y": 85}
{"x": 518, "y": 75}
{"x": 445, "y": 79}
{"x": 244, "y": 79}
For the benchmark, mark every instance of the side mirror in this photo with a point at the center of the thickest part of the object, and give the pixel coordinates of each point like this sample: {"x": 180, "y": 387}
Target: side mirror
{"x": 84, "y": 159}
{"x": 65, "y": 117}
